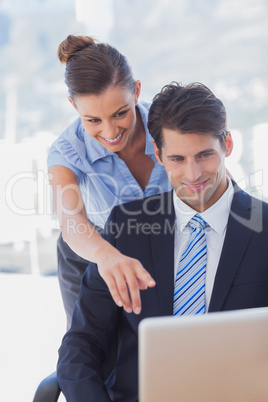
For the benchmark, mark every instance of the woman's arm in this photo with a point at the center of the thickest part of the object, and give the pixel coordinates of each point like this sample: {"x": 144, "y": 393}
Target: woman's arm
{"x": 118, "y": 271}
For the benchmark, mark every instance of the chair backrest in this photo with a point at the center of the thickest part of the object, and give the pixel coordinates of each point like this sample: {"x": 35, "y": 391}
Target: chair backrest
{"x": 48, "y": 389}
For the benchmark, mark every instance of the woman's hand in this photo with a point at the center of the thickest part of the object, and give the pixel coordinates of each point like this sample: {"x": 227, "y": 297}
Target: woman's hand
{"x": 125, "y": 277}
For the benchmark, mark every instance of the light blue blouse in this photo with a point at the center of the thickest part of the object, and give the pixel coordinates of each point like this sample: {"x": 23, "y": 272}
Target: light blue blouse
{"x": 104, "y": 179}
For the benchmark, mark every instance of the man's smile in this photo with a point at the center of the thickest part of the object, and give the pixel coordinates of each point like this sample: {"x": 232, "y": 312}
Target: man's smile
{"x": 196, "y": 187}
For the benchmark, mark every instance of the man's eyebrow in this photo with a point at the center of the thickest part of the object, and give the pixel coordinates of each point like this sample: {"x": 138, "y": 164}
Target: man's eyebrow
{"x": 174, "y": 156}
{"x": 204, "y": 151}
{"x": 117, "y": 111}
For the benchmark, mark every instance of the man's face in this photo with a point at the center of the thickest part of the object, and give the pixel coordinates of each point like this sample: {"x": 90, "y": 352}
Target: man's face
{"x": 195, "y": 166}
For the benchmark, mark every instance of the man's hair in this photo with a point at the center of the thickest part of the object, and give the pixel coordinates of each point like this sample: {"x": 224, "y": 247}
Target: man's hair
{"x": 190, "y": 109}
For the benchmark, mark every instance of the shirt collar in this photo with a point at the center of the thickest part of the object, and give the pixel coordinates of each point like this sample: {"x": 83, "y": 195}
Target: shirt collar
{"x": 144, "y": 111}
{"x": 216, "y": 216}
{"x": 96, "y": 151}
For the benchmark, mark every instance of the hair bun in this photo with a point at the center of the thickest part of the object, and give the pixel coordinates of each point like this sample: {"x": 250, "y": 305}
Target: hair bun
{"x": 71, "y": 45}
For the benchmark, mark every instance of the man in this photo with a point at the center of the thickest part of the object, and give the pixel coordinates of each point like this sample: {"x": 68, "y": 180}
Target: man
{"x": 204, "y": 243}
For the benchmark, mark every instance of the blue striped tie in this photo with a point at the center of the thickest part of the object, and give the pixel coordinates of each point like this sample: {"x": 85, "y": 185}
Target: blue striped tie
{"x": 189, "y": 289}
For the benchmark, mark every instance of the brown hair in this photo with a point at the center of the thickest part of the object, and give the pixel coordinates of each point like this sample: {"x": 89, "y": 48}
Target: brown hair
{"x": 190, "y": 109}
{"x": 92, "y": 66}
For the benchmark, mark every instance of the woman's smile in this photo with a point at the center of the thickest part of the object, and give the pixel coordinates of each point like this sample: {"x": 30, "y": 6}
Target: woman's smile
{"x": 114, "y": 141}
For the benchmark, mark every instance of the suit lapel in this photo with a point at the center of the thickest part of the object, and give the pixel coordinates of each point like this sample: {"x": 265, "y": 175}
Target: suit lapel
{"x": 241, "y": 222}
{"x": 163, "y": 251}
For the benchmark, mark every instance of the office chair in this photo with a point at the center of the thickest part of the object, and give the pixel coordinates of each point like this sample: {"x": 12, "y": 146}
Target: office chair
{"x": 48, "y": 390}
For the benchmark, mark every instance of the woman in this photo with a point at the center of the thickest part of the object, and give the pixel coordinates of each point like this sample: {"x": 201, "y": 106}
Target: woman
{"x": 104, "y": 158}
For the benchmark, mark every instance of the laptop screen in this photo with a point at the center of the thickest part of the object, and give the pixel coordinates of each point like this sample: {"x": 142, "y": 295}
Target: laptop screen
{"x": 215, "y": 357}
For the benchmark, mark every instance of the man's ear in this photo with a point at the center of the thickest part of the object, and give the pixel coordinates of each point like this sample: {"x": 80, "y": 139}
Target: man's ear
{"x": 70, "y": 99}
{"x": 228, "y": 144}
{"x": 157, "y": 154}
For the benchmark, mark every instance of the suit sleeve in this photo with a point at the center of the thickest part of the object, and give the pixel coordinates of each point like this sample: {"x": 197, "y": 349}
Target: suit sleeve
{"x": 85, "y": 345}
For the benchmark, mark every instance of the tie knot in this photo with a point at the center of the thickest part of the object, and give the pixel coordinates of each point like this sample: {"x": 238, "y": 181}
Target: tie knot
{"x": 197, "y": 222}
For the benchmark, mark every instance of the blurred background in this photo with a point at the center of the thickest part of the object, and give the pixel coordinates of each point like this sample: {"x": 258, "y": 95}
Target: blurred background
{"x": 221, "y": 43}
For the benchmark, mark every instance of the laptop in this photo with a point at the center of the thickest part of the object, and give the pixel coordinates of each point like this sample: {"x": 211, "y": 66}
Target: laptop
{"x": 216, "y": 357}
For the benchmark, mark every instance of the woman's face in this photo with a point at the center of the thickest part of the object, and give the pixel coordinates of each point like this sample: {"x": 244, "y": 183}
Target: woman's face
{"x": 109, "y": 117}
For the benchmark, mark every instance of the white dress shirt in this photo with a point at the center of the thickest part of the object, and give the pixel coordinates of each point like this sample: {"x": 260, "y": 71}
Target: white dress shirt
{"x": 216, "y": 217}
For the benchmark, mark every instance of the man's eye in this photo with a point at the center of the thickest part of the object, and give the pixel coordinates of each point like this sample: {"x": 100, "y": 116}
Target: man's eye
{"x": 206, "y": 155}
{"x": 178, "y": 159}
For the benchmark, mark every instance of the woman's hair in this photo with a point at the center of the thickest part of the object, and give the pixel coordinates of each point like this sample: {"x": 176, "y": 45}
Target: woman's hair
{"x": 91, "y": 66}
{"x": 188, "y": 109}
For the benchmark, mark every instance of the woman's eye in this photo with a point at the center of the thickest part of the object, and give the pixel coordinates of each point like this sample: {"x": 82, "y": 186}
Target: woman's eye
{"x": 121, "y": 114}
{"x": 94, "y": 120}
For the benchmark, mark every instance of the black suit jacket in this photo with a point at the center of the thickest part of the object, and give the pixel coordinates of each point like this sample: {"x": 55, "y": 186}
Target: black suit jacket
{"x": 145, "y": 230}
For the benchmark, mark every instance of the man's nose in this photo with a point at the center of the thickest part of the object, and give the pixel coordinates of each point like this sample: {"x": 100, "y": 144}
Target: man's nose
{"x": 193, "y": 171}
